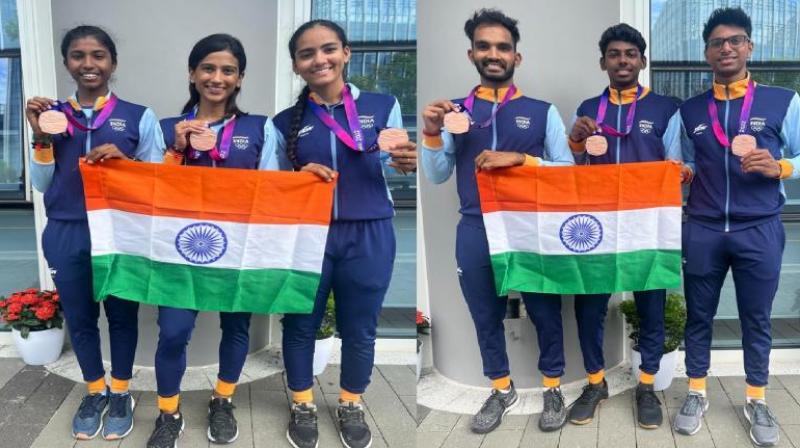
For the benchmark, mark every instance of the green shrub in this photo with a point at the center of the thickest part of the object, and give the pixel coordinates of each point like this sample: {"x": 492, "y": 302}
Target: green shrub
{"x": 328, "y": 325}
{"x": 674, "y": 321}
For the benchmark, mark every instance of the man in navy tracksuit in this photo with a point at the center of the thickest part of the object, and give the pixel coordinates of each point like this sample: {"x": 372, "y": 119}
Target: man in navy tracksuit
{"x": 743, "y": 140}
{"x": 508, "y": 129}
{"x": 645, "y": 127}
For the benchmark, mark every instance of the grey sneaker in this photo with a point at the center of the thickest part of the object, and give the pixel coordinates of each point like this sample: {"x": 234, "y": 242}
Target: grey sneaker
{"x": 763, "y": 424}
{"x": 494, "y": 408}
{"x": 690, "y": 417}
{"x": 554, "y": 413}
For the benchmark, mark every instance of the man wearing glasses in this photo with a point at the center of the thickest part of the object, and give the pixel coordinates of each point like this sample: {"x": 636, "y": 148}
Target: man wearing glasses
{"x": 743, "y": 139}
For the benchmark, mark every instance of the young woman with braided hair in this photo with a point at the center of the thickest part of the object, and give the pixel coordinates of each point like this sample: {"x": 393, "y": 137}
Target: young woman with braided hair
{"x": 332, "y": 130}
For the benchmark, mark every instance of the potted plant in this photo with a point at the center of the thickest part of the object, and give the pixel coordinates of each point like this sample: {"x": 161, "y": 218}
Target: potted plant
{"x": 36, "y": 323}
{"x": 423, "y": 329}
{"x": 323, "y": 347}
{"x": 674, "y": 324}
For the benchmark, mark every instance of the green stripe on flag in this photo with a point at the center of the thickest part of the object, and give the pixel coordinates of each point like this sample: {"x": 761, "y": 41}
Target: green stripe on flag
{"x": 587, "y": 274}
{"x": 202, "y": 288}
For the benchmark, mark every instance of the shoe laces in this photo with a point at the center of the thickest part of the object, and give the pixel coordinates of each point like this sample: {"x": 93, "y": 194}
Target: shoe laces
{"x": 762, "y": 415}
{"x": 303, "y": 415}
{"x": 648, "y": 397}
{"x": 692, "y": 404}
{"x": 553, "y": 401}
{"x": 590, "y": 393}
{"x": 90, "y": 405}
{"x": 167, "y": 429}
{"x": 351, "y": 413}
{"x": 118, "y": 405}
{"x": 221, "y": 411}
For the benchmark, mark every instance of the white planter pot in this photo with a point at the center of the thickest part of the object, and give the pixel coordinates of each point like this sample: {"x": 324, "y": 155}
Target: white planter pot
{"x": 323, "y": 348}
{"x": 40, "y": 347}
{"x": 666, "y": 369}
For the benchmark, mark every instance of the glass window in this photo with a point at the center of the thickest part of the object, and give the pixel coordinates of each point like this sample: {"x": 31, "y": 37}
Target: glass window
{"x": 12, "y": 165}
{"x": 678, "y": 69}
{"x": 382, "y": 36}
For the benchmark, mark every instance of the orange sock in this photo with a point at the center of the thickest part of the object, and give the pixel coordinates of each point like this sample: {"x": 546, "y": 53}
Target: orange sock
{"x": 119, "y": 386}
{"x": 551, "y": 383}
{"x": 97, "y": 386}
{"x": 224, "y": 389}
{"x": 597, "y": 377}
{"x": 303, "y": 396}
{"x": 347, "y": 397}
{"x": 697, "y": 385}
{"x": 646, "y": 378}
{"x": 502, "y": 383}
{"x": 756, "y": 392}
{"x": 169, "y": 405}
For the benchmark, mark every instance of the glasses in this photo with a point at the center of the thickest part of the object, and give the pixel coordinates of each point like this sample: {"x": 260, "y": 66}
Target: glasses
{"x": 735, "y": 41}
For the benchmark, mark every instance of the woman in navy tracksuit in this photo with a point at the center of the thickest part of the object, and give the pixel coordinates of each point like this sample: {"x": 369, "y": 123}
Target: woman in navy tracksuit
{"x": 316, "y": 135}
{"x": 103, "y": 126}
{"x": 216, "y": 68}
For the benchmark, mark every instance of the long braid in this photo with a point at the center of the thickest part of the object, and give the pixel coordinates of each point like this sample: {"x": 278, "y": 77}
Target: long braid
{"x": 297, "y": 121}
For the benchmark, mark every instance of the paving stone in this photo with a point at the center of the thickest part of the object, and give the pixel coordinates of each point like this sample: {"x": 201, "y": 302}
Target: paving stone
{"x": 573, "y": 436}
{"x": 402, "y": 380}
{"x": 437, "y": 421}
{"x": 390, "y": 414}
{"x": 533, "y": 436}
{"x": 432, "y": 439}
{"x": 462, "y": 437}
{"x": 502, "y": 438}
{"x": 43, "y": 402}
{"x": 616, "y": 427}
{"x": 57, "y": 433}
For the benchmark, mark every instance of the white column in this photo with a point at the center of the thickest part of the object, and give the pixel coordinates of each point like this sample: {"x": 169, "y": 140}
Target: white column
{"x": 636, "y": 13}
{"x": 38, "y": 78}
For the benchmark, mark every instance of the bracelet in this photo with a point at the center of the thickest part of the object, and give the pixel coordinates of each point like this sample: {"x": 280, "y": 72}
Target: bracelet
{"x": 426, "y": 134}
{"x": 45, "y": 140}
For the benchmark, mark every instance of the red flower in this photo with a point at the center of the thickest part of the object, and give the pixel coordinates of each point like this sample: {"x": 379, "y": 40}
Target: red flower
{"x": 31, "y": 300}
{"x": 45, "y": 313}
{"x": 15, "y": 308}
{"x": 11, "y": 317}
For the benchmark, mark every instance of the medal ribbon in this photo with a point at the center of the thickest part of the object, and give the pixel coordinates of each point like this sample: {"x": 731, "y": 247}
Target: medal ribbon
{"x": 601, "y": 113}
{"x": 106, "y": 107}
{"x": 354, "y": 139}
{"x": 221, "y": 151}
{"x": 470, "y": 102}
{"x": 744, "y": 115}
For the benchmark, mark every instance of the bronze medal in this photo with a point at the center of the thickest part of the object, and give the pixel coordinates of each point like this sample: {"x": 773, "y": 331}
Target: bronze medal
{"x": 743, "y": 144}
{"x": 391, "y": 137}
{"x": 53, "y": 122}
{"x": 203, "y": 141}
{"x": 596, "y": 145}
{"x": 456, "y": 122}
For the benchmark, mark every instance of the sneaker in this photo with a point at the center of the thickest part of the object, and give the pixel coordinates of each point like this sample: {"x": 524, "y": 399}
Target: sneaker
{"x": 648, "y": 407}
{"x": 222, "y": 426}
{"x": 118, "y": 421}
{"x": 353, "y": 430}
{"x": 494, "y": 408}
{"x": 554, "y": 413}
{"x": 582, "y": 410}
{"x": 302, "y": 431}
{"x": 763, "y": 424}
{"x": 88, "y": 421}
{"x": 690, "y": 418}
{"x": 168, "y": 429}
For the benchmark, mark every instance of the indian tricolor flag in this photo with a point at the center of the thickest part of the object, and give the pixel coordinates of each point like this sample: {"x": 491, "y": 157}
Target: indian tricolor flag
{"x": 584, "y": 229}
{"x": 207, "y": 239}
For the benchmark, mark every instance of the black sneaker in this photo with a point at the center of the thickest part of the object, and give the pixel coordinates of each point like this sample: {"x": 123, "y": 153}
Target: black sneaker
{"x": 582, "y": 410}
{"x": 302, "y": 431}
{"x": 648, "y": 407}
{"x": 168, "y": 429}
{"x": 494, "y": 408}
{"x": 222, "y": 426}
{"x": 353, "y": 429}
{"x": 554, "y": 413}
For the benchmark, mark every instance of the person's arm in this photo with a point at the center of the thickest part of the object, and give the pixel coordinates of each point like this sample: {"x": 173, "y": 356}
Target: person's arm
{"x": 672, "y": 138}
{"x": 790, "y": 134}
{"x": 151, "y": 146}
{"x": 687, "y": 151}
{"x": 273, "y": 153}
{"x": 556, "y": 149}
{"x": 42, "y": 166}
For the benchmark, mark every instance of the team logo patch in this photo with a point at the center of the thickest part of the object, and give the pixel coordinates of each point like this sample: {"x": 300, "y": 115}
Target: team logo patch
{"x": 241, "y": 141}
{"x": 201, "y": 243}
{"x": 117, "y": 124}
{"x": 757, "y": 124}
{"x": 700, "y": 129}
{"x": 581, "y": 233}
{"x": 523, "y": 122}
{"x": 305, "y": 131}
{"x": 645, "y": 126}
{"x": 367, "y": 121}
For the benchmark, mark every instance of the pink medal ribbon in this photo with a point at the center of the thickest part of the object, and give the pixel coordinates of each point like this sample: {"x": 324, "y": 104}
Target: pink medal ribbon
{"x": 354, "y": 139}
{"x": 601, "y": 113}
{"x": 218, "y": 152}
{"x": 469, "y": 103}
{"x": 97, "y": 123}
{"x": 744, "y": 115}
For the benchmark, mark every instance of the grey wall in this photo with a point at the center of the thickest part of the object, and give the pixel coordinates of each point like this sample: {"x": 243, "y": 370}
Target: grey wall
{"x": 560, "y": 65}
{"x": 153, "y": 39}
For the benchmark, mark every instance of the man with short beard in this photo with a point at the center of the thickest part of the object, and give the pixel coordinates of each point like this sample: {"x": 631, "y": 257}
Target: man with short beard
{"x": 506, "y": 129}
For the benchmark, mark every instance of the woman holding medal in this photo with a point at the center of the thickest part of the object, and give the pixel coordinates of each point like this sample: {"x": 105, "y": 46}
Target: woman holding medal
{"x": 211, "y": 131}
{"x": 95, "y": 124}
{"x": 333, "y": 129}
